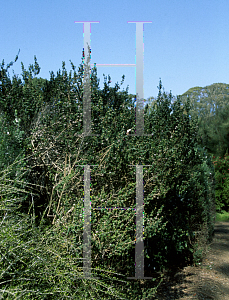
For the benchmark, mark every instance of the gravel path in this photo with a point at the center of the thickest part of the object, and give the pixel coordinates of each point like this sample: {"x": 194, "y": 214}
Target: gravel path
{"x": 210, "y": 280}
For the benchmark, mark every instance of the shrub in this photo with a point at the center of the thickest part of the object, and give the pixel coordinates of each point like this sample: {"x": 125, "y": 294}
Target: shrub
{"x": 178, "y": 188}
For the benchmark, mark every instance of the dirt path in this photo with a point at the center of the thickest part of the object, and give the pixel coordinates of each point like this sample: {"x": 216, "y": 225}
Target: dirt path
{"x": 210, "y": 280}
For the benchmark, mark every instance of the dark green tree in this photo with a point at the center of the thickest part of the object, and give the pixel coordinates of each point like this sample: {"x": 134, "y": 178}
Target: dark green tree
{"x": 210, "y": 105}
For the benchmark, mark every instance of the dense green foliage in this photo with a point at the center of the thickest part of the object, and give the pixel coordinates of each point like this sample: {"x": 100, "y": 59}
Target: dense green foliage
{"x": 210, "y": 104}
{"x": 45, "y": 203}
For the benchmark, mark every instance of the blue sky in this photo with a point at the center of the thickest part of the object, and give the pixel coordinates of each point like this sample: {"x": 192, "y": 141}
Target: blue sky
{"x": 186, "y": 45}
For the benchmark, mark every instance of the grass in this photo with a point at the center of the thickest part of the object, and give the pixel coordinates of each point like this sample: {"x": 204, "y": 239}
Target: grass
{"x": 222, "y": 217}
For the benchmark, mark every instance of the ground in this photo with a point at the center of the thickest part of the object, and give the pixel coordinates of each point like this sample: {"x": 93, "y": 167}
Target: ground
{"x": 209, "y": 280}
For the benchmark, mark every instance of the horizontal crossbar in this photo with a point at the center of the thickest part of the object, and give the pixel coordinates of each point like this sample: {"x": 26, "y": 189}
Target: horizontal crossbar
{"x": 114, "y": 65}
{"x": 100, "y": 208}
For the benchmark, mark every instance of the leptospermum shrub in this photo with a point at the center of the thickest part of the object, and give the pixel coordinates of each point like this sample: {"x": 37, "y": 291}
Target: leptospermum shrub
{"x": 178, "y": 198}
{"x": 173, "y": 201}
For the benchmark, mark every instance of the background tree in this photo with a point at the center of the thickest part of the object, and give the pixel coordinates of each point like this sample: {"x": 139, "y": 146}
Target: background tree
{"x": 210, "y": 105}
